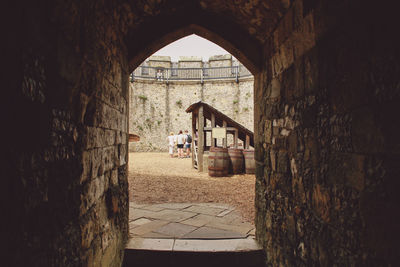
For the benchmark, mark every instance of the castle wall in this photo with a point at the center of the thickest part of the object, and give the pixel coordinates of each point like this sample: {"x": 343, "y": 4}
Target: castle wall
{"x": 157, "y": 108}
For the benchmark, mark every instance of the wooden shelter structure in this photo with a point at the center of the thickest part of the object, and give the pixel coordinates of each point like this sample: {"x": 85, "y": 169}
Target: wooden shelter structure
{"x": 200, "y": 113}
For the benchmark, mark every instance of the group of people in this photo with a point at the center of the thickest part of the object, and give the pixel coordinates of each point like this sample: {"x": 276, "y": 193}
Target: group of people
{"x": 183, "y": 142}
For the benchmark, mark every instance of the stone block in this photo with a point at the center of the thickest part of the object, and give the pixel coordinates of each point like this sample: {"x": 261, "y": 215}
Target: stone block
{"x": 236, "y": 245}
{"x": 172, "y": 215}
{"x": 268, "y": 131}
{"x": 86, "y": 166}
{"x": 321, "y": 202}
{"x": 122, "y": 154}
{"x": 284, "y": 29}
{"x": 212, "y": 233}
{"x": 275, "y": 88}
{"x": 366, "y": 136}
{"x": 173, "y": 206}
{"x": 283, "y": 162}
{"x": 148, "y": 227}
{"x": 176, "y": 230}
{"x": 205, "y": 210}
{"x": 304, "y": 36}
{"x": 275, "y": 130}
{"x": 140, "y": 221}
{"x": 150, "y": 244}
{"x": 292, "y": 143}
{"x": 348, "y": 169}
{"x": 198, "y": 220}
{"x": 272, "y": 156}
{"x": 311, "y": 71}
{"x": 114, "y": 177}
{"x": 242, "y": 228}
{"x": 88, "y": 230}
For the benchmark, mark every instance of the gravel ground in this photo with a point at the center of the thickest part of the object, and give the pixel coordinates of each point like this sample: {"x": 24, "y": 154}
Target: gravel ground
{"x": 157, "y": 178}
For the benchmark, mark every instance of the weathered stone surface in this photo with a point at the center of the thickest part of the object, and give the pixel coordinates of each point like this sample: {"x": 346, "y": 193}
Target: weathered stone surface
{"x": 176, "y": 230}
{"x": 67, "y": 79}
{"x": 332, "y": 131}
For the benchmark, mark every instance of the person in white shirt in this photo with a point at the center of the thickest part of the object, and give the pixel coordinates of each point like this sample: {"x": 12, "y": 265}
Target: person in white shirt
{"x": 180, "y": 140}
{"x": 171, "y": 144}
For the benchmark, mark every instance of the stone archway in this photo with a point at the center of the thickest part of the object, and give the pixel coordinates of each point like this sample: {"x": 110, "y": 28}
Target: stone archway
{"x": 326, "y": 135}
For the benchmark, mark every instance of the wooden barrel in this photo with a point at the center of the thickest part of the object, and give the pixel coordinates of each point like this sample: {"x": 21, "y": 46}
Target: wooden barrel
{"x": 249, "y": 162}
{"x": 218, "y": 162}
{"x": 236, "y": 160}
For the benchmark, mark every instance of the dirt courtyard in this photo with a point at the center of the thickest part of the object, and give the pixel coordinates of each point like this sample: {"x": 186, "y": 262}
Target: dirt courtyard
{"x": 157, "y": 178}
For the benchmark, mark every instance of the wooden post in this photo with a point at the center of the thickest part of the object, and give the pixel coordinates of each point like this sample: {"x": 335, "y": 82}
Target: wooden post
{"x": 193, "y": 137}
{"x": 200, "y": 141}
{"x": 247, "y": 145}
{"x": 236, "y": 138}
{"x": 212, "y": 126}
{"x": 225, "y": 140}
{"x": 205, "y": 133}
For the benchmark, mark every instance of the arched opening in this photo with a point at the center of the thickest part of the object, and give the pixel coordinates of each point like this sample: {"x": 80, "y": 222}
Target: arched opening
{"x": 157, "y": 107}
{"x": 227, "y": 34}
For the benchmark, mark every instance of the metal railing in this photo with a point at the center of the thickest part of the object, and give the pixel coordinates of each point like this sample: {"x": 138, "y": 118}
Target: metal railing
{"x": 197, "y": 74}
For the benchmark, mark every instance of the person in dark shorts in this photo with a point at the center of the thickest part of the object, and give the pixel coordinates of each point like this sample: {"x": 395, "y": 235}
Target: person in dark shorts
{"x": 180, "y": 140}
{"x": 188, "y": 143}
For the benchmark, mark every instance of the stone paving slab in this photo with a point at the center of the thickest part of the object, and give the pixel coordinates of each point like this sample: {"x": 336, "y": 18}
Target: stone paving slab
{"x": 213, "y": 233}
{"x": 221, "y": 245}
{"x": 135, "y": 214}
{"x": 198, "y": 220}
{"x": 214, "y": 205}
{"x": 140, "y": 221}
{"x": 134, "y": 205}
{"x": 148, "y": 227}
{"x": 176, "y": 230}
{"x": 173, "y": 206}
{"x": 152, "y": 208}
{"x": 172, "y": 215}
{"x": 205, "y": 210}
{"x": 187, "y": 220}
{"x": 225, "y": 212}
{"x": 151, "y": 244}
{"x": 156, "y": 235}
{"x": 242, "y": 229}
{"x": 233, "y": 218}
{"x": 252, "y": 232}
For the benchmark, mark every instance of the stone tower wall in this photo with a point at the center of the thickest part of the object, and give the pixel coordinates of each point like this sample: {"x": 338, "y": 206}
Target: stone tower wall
{"x": 157, "y": 108}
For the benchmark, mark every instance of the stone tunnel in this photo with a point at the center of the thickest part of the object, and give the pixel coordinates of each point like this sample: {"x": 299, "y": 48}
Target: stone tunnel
{"x": 327, "y": 90}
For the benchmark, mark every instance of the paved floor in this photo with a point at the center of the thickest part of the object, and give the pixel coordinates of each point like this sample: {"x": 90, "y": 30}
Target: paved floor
{"x": 187, "y": 221}
{"x": 189, "y": 227}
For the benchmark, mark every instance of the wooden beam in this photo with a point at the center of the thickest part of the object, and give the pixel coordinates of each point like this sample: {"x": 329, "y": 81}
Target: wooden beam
{"x": 225, "y": 140}
{"x": 193, "y": 137}
{"x": 236, "y": 138}
{"x": 247, "y": 143}
{"x": 212, "y": 126}
{"x": 200, "y": 141}
{"x": 229, "y": 129}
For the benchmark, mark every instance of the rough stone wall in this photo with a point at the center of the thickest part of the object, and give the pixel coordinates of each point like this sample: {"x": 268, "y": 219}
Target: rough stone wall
{"x": 326, "y": 138}
{"x": 65, "y": 171}
{"x": 326, "y": 133}
{"x": 157, "y": 108}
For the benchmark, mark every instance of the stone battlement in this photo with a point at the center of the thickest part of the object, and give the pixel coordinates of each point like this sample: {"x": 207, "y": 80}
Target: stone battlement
{"x": 191, "y": 68}
{"x": 191, "y": 62}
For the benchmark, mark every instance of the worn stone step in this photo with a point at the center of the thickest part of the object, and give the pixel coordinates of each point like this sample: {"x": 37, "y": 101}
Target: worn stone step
{"x": 176, "y": 252}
